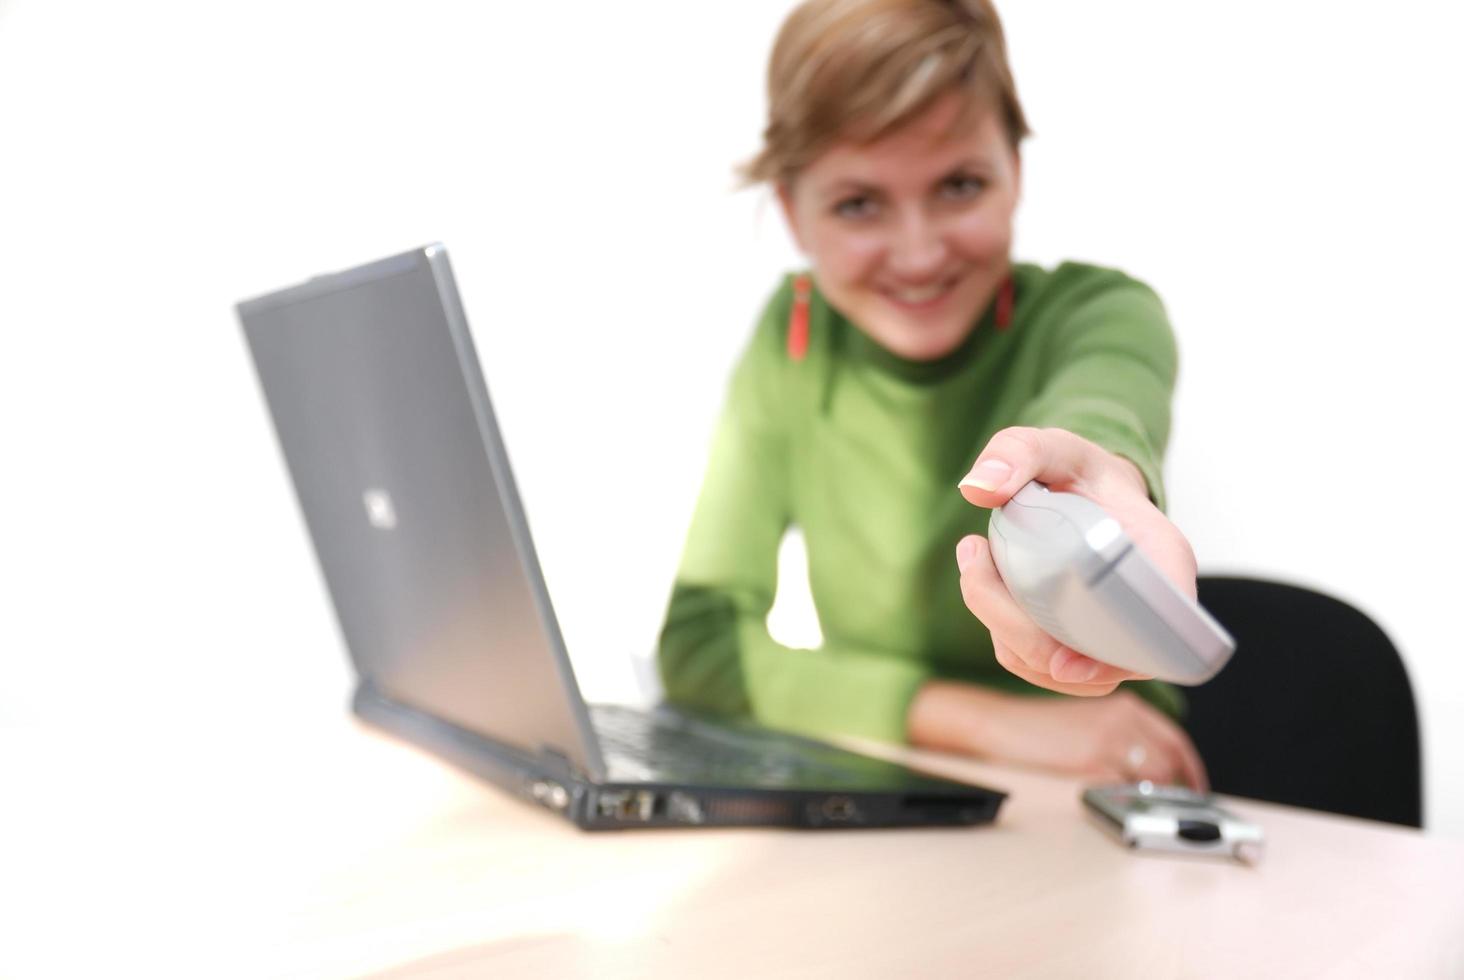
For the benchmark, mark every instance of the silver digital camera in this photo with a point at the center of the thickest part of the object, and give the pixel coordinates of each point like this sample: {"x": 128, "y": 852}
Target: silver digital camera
{"x": 1171, "y": 818}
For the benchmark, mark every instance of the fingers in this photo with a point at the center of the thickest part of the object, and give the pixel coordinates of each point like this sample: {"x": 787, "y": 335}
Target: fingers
{"x": 1153, "y": 763}
{"x": 1146, "y": 745}
{"x": 1011, "y": 662}
{"x": 1176, "y": 742}
{"x": 1019, "y": 454}
{"x": 1022, "y": 646}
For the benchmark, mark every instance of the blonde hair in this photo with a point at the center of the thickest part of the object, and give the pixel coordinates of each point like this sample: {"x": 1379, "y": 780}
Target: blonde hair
{"x": 860, "y": 69}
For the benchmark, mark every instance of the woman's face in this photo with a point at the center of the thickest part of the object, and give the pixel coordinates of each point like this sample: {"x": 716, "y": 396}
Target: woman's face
{"x": 909, "y": 236}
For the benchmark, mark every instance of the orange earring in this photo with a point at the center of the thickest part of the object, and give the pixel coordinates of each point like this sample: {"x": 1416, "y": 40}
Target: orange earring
{"x": 1006, "y": 298}
{"x": 798, "y": 319}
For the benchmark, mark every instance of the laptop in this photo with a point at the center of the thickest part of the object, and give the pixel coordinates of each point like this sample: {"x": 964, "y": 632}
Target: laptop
{"x": 381, "y": 411}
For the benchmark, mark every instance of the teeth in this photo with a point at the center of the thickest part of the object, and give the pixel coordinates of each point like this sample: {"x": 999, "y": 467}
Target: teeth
{"x": 923, "y": 295}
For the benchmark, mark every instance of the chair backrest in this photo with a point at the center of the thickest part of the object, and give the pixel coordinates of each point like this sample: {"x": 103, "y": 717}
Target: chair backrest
{"x": 1314, "y": 709}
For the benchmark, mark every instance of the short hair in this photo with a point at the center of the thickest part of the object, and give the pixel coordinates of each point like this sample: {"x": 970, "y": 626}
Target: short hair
{"x": 860, "y": 69}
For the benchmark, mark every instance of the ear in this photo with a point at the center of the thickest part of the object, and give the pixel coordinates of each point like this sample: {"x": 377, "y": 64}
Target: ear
{"x": 790, "y": 214}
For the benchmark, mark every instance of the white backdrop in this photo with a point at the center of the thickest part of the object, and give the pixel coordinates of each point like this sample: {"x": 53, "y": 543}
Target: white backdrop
{"x": 1286, "y": 174}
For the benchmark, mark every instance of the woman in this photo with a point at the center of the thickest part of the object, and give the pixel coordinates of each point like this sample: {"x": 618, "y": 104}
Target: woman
{"x": 914, "y": 357}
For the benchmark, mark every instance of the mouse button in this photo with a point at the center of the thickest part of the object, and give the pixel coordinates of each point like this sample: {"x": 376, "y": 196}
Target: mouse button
{"x": 1034, "y": 518}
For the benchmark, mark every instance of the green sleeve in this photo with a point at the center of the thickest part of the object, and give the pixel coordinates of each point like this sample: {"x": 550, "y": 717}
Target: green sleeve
{"x": 715, "y": 653}
{"x": 1110, "y": 365}
{"x": 1111, "y": 373}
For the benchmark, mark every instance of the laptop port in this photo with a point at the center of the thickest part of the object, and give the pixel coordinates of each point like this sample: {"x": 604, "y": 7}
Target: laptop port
{"x": 645, "y": 805}
{"x": 840, "y": 809}
{"x": 685, "y": 808}
{"x": 640, "y": 805}
{"x": 611, "y": 804}
{"x": 942, "y": 809}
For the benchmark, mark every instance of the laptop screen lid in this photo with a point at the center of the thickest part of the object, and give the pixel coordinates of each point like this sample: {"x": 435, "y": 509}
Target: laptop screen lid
{"x": 383, "y": 417}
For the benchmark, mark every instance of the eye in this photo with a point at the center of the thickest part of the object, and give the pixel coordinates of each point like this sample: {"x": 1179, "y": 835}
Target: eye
{"x": 856, "y": 207}
{"x": 961, "y": 187}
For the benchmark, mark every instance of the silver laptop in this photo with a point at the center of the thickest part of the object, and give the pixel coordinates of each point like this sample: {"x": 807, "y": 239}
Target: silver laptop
{"x": 381, "y": 411}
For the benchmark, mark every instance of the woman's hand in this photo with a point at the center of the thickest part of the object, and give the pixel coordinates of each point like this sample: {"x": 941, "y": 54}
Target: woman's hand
{"x": 1118, "y": 738}
{"x": 1066, "y": 462}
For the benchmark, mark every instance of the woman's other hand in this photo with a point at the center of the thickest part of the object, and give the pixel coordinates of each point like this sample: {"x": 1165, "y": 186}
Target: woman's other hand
{"x": 1118, "y": 738}
{"x": 1065, "y": 462}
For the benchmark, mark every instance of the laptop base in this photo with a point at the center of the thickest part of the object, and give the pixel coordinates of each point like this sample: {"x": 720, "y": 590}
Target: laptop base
{"x": 550, "y": 782}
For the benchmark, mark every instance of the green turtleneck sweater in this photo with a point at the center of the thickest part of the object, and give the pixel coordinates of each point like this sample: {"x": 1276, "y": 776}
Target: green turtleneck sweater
{"x": 862, "y": 450}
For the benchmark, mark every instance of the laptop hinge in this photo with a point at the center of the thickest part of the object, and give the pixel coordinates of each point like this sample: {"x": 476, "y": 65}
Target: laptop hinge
{"x": 558, "y": 766}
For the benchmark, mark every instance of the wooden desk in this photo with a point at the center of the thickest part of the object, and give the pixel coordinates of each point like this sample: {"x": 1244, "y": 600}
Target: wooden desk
{"x": 342, "y": 853}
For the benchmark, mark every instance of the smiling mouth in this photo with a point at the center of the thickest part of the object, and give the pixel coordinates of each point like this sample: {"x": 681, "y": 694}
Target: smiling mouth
{"x": 921, "y": 297}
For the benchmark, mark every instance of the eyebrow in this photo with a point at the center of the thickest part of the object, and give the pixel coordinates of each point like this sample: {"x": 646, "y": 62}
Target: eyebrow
{"x": 846, "y": 187}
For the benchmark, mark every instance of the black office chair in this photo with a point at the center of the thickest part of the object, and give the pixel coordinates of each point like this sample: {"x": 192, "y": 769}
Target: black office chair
{"x": 1314, "y": 709}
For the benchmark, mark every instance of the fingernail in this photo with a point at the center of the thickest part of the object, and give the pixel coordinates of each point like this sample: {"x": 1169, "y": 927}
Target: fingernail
{"x": 1085, "y": 672}
{"x": 965, "y": 554}
{"x": 1074, "y": 668}
{"x": 989, "y": 474}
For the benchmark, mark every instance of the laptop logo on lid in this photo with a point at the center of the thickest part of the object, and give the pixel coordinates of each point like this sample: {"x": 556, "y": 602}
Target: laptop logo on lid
{"x": 379, "y": 509}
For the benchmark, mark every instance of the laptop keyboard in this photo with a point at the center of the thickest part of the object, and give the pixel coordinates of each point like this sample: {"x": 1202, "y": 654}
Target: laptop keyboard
{"x": 663, "y": 745}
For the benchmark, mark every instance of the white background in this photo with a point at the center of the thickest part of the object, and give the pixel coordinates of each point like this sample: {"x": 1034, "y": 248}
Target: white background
{"x": 1286, "y": 174}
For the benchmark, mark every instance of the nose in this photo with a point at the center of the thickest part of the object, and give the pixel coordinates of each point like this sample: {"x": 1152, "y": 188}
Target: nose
{"x": 918, "y": 250}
